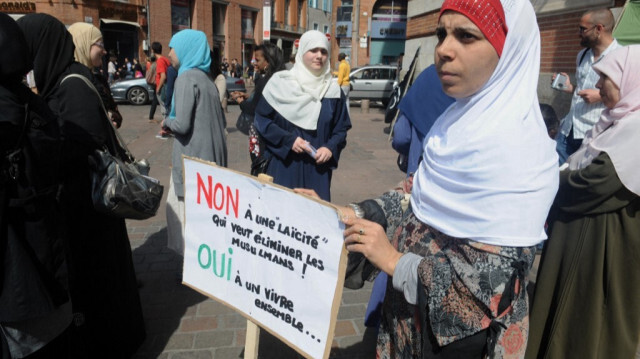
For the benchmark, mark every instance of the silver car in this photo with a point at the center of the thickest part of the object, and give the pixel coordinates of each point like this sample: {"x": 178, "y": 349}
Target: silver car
{"x": 138, "y": 92}
{"x": 134, "y": 91}
{"x": 373, "y": 82}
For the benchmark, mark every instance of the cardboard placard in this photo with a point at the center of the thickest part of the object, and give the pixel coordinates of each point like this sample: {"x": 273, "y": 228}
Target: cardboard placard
{"x": 274, "y": 256}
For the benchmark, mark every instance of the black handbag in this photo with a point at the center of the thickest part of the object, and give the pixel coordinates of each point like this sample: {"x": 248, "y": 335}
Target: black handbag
{"x": 403, "y": 162}
{"x": 259, "y": 159}
{"x": 244, "y": 122}
{"x": 260, "y": 165}
{"x": 120, "y": 185}
{"x": 120, "y": 190}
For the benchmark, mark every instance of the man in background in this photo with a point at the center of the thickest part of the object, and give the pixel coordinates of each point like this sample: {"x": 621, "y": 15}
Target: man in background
{"x": 343, "y": 76}
{"x": 292, "y": 61}
{"x": 162, "y": 63}
{"x": 596, "y": 35}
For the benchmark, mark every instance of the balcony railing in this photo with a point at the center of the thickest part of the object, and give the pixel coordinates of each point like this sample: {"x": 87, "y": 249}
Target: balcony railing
{"x": 288, "y": 28}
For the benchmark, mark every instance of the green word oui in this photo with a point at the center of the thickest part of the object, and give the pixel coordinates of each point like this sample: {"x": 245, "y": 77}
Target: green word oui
{"x": 208, "y": 258}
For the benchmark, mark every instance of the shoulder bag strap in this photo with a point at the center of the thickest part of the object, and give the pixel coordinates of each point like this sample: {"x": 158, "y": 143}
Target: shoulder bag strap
{"x": 13, "y": 157}
{"x": 118, "y": 142}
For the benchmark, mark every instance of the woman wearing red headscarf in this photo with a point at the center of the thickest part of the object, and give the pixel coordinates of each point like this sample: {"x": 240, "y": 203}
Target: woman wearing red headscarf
{"x": 460, "y": 255}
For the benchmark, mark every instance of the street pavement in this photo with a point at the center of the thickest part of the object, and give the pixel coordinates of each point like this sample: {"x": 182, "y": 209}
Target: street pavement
{"x": 182, "y": 323}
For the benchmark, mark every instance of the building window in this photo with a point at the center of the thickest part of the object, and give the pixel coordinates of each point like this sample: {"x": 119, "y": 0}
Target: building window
{"x": 344, "y": 13}
{"x": 315, "y": 26}
{"x": 219, "y": 16}
{"x": 313, "y": 4}
{"x": 180, "y": 15}
{"x": 326, "y": 29}
{"x": 247, "y": 24}
{"x": 326, "y": 5}
{"x": 300, "y": 4}
{"x": 287, "y": 3}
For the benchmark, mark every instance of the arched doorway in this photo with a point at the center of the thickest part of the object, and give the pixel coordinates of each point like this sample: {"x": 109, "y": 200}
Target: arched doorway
{"x": 120, "y": 39}
{"x": 388, "y": 31}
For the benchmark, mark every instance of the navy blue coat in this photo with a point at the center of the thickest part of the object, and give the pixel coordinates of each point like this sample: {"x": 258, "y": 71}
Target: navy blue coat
{"x": 299, "y": 170}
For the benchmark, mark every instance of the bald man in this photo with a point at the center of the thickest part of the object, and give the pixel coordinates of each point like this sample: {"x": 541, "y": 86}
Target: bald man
{"x": 596, "y": 35}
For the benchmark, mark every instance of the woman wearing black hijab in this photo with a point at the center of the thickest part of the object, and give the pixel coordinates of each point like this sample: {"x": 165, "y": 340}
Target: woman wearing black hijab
{"x": 106, "y": 305}
{"x": 35, "y": 309}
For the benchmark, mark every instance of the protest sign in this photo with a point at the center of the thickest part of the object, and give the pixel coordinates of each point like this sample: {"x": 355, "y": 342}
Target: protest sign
{"x": 275, "y": 256}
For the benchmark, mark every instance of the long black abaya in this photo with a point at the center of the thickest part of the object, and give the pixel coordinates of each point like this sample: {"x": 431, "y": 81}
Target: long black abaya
{"x": 107, "y": 312}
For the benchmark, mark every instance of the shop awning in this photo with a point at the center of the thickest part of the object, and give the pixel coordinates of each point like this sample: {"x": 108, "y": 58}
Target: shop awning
{"x": 244, "y": 7}
{"x": 113, "y": 21}
{"x": 627, "y": 31}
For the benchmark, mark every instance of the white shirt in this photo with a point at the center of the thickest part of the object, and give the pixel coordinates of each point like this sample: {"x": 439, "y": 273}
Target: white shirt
{"x": 111, "y": 68}
{"x": 582, "y": 116}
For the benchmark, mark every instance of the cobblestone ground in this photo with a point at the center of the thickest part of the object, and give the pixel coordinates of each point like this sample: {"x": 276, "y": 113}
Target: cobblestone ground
{"x": 180, "y": 322}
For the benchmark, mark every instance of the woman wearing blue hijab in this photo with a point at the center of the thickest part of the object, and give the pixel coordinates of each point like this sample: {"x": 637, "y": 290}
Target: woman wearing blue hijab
{"x": 196, "y": 121}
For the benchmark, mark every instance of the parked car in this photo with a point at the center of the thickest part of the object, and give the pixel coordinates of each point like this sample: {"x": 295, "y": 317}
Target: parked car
{"x": 138, "y": 92}
{"x": 373, "y": 82}
{"x": 134, "y": 91}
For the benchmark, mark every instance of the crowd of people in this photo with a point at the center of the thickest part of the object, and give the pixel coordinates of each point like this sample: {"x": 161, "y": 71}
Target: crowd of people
{"x": 452, "y": 247}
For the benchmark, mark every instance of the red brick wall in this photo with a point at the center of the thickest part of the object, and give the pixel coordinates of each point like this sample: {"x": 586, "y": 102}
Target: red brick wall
{"x": 160, "y": 24}
{"x": 66, "y": 12}
{"x": 560, "y": 42}
{"x": 202, "y": 17}
{"x": 233, "y": 48}
{"x": 422, "y": 25}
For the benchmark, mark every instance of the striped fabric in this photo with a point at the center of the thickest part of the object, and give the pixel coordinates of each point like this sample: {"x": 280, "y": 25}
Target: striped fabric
{"x": 582, "y": 116}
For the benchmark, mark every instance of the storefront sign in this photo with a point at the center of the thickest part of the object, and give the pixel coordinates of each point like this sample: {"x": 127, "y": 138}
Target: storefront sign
{"x": 275, "y": 256}
{"x": 266, "y": 20}
{"x": 345, "y": 42}
{"x": 363, "y": 42}
{"x": 18, "y": 7}
{"x": 343, "y": 29}
{"x": 388, "y": 30}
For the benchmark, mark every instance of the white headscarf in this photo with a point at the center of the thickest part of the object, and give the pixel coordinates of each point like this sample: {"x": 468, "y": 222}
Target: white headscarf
{"x": 490, "y": 170}
{"x": 618, "y": 129}
{"x": 297, "y": 94}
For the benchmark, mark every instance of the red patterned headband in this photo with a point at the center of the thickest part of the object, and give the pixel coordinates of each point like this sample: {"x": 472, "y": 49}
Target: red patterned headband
{"x": 488, "y": 16}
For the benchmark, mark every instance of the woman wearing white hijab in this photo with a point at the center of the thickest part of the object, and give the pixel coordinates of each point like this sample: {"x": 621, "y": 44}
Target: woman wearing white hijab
{"x": 303, "y": 109}
{"x": 587, "y": 291}
{"x": 459, "y": 256}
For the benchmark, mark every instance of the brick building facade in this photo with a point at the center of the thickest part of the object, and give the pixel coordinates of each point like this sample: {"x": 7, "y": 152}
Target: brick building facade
{"x": 123, "y": 24}
{"x": 558, "y": 22}
{"x": 370, "y": 31}
{"x": 233, "y": 28}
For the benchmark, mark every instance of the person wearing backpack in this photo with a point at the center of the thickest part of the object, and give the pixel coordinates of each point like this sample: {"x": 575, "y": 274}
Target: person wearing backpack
{"x": 162, "y": 63}
{"x": 150, "y": 73}
{"x": 150, "y": 77}
{"x": 35, "y": 310}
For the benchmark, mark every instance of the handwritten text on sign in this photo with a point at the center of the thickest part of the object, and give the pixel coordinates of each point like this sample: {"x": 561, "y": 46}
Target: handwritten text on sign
{"x": 269, "y": 253}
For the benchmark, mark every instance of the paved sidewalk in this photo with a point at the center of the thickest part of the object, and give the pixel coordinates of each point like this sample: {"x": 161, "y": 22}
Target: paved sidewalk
{"x": 182, "y": 323}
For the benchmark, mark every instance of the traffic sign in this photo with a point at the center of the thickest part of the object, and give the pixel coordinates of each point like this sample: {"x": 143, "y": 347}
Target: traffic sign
{"x": 296, "y": 43}
{"x": 328, "y": 35}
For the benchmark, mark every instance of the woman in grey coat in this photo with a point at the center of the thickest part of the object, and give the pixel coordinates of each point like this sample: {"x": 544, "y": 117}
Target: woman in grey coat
{"x": 196, "y": 120}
